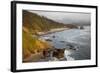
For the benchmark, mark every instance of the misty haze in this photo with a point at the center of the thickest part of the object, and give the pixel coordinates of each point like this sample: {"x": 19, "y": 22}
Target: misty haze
{"x": 67, "y": 17}
{"x": 56, "y": 36}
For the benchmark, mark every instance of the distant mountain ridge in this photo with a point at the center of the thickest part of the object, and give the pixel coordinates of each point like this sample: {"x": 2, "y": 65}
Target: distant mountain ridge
{"x": 35, "y": 22}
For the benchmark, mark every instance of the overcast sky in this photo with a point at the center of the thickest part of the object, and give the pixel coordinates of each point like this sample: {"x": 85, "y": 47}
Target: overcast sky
{"x": 66, "y": 17}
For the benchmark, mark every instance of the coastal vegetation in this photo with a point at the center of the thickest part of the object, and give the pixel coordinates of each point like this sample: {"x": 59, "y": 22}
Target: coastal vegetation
{"x": 32, "y": 25}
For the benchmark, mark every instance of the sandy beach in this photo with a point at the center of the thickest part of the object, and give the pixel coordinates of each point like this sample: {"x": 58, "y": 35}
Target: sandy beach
{"x": 52, "y": 31}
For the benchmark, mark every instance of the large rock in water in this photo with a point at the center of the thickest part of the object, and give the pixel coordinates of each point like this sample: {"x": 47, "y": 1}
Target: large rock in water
{"x": 59, "y": 53}
{"x": 81, "y": 27}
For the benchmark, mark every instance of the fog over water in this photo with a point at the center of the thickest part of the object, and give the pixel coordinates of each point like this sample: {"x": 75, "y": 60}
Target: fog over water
{"x": 66, "y": 17}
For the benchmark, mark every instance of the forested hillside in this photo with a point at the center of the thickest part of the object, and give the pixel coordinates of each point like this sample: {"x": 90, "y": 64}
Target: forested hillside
{"x": 32, "y": 24}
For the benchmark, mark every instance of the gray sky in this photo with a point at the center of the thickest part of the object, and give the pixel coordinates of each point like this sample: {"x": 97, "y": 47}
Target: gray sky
{"x": 66, "y": 17}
